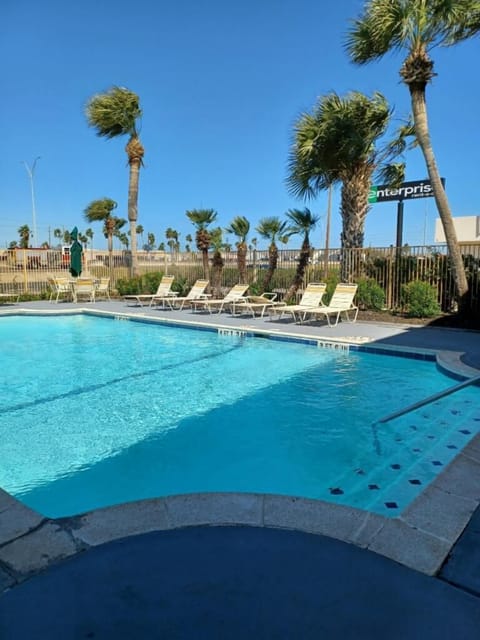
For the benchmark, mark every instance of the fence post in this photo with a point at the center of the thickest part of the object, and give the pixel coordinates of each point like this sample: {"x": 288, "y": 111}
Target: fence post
{"x": 25, "y": 275}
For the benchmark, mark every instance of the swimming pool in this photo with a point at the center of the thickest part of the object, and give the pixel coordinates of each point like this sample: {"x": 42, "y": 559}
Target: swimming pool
{"x": 94, "y": 412}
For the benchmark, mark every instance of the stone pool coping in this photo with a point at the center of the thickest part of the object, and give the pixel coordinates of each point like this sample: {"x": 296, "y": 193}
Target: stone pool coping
{"x": 420, "y": 538}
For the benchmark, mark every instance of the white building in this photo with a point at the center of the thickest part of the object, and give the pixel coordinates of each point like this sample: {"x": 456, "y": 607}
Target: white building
{"x": 467, "y": 228}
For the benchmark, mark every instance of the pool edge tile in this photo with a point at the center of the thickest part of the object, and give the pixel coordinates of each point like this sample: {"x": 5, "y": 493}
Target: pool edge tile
{"x": 410, "y": 547}
{"x": 119, "y": 521}
{"x": 215, "y": 509}
{"x": 37, "y": 550}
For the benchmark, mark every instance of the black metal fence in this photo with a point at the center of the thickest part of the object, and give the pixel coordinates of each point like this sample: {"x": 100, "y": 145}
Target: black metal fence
{"x": 27, "y": 270}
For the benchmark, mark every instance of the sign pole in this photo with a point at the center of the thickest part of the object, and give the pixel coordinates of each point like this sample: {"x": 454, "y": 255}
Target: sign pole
{"x": 399, "y": 223}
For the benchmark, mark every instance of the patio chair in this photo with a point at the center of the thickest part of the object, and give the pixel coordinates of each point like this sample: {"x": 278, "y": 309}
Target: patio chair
{"x": 252, "y": 304}
{"x": 341, "y": 302}
{"x": 164, "y": 290}
{"x": 103, "y": 289}
{"x": 311, "y": 298}
{"x": 235, "y": 294}
{"x": 60, "y": 287}
{"x": 84, "y": 288}
{"x": 197, "y": 292}
{"x": 10, "y": 292}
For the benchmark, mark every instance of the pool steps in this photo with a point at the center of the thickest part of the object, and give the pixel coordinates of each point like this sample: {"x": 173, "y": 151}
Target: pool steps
{"x": 430, "y": 399}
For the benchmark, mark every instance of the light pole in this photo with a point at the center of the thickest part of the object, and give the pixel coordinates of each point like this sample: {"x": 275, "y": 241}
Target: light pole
{"x": 31, "y": 173}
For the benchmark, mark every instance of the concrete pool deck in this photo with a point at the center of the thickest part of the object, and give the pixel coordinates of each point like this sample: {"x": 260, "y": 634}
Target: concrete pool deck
{"x": 356, "y": 553}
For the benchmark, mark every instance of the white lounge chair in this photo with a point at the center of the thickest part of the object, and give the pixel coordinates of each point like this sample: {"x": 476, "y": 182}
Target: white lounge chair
{"x": 235, "y": 294}
{"x": 197, "y": 292}
{"x": 311, "y": 298}
{"x": 84, "y": 288}
{"x": 252, "y": 304}
{"x": 164, "y": 290}
{"x": 103, "y": 289}
{"x": 60, "y": 287}
{"x": 341, "y": 302}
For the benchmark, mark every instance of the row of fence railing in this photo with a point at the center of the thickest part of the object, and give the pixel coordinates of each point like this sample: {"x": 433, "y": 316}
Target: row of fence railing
{"x": 27, "y": 270}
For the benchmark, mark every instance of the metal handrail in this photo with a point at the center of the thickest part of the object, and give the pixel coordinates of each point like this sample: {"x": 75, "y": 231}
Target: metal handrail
{"x": 436, "y": 396}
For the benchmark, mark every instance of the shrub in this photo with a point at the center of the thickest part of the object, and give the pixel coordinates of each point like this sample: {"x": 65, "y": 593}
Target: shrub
{"x": 148, "y": 283}
{"x": 129, "y": 286}
{"x": 420, "y": 299}
{"x": 370, "y": 295}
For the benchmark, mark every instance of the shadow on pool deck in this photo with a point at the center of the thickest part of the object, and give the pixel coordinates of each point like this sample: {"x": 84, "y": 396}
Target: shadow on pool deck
{"x": 235, "y": 582}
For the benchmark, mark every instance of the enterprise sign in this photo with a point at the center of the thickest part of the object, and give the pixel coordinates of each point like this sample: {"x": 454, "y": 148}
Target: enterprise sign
{"x": 406, "y": 191}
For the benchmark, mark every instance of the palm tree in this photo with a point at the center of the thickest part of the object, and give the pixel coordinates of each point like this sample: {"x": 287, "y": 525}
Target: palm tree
{"x": 301, "y": 222}
{"x": 416, "y": 26}
{"x": 58, "y": 233}
{"x": 271, "y": 229}
{"x": 101, "y": 211}
{"x": 202, "y": 218}
{"x": 161, "y": 246}
{"x": 24, "y": 233}
{"x": 172, "y": 238}
{"x": 240, "y": 227}
{"x": 139, "y": 231}
{"x": 216, "y": 241}
{"x": 338, "y": 143}
{"x": 124, "y": 239}
{"x": 151, "y": 241}
{"x": 115, "y": 113}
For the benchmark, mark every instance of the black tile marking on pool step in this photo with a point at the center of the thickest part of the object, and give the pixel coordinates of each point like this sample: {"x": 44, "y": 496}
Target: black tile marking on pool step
{"x": 391, "y": 505}
{"x": 336, "y": 491}
{"x": 102, "y": 385}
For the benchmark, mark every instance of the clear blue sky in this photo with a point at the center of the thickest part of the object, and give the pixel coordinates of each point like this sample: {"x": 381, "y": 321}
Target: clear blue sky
{"x": 221, "y": 84}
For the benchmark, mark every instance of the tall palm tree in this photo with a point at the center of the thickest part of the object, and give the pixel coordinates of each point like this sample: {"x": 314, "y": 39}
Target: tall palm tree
{"x": 339, "y": 143}
{"x": 240, "y": 227}
{"x": 202, "y": 218}
{"x": 116, "y": 113}
{"x": 302, "y": 222}
{"x": 416, "y": 26}
{"x": 271, "y": 229}
{"x": 101, "y": 211}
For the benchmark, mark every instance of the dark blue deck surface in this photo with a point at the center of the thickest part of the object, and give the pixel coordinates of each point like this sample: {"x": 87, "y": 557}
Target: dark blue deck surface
{"x": 235, "y": 582}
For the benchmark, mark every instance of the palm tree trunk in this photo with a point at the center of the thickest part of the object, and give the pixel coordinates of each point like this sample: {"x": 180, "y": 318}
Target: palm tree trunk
{"x": 135, "y": 154}
{"x": 354, "y": 208}
{"x": 419, "y": 109}
{"x": 272, "y": 265}
{"x": 300, "y": 272}
{"x": 206, "y": 267}
{"x": 217, "y": 268}
{"x": 242, "y": 262}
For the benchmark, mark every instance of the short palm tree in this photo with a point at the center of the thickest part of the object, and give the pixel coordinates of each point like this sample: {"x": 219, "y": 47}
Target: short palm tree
{"x": 116, "y": 113}
{"x": 139, "y": 231}
{"x": 216, "y": 242}
{"x": 101, "y": 211}
{"x": 339, "y": 143}
{"x": 202, "y": 218}
{"x": 416, "y": 26}
{"x": 240, "y": 227}
{"x": 24, "y": 233}
{"x": 302, "y": 222}
{"x": 272, "y": 229}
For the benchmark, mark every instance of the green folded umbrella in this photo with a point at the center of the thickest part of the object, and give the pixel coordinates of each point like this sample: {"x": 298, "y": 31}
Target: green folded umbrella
{"x": 75, "y": 254}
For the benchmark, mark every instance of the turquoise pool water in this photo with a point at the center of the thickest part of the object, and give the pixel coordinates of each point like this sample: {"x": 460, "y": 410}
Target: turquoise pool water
{"x": 94, "y": 412}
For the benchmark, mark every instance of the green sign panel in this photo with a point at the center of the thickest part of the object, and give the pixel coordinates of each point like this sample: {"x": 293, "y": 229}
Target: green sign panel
{"x": 406, "y": 191}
